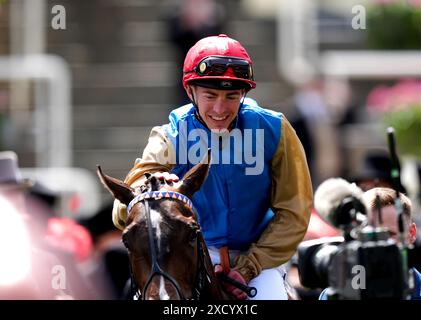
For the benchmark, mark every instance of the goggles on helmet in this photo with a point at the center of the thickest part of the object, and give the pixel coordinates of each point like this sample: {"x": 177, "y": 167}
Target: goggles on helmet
{"x": 218, "y": 65}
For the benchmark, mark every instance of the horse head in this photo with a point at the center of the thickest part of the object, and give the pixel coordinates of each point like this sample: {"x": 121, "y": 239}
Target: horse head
{"x": 168, "y": 256}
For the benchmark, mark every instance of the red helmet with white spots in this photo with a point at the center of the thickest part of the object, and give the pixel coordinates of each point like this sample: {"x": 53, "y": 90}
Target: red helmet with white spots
{"x": 218, "y": 62}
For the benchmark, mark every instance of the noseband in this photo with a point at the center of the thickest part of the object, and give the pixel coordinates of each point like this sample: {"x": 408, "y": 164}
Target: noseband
{"x": 156, "y": 270}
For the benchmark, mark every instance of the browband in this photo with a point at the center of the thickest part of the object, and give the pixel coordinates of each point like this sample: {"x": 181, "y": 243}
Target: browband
{"x": 156, "y": 195}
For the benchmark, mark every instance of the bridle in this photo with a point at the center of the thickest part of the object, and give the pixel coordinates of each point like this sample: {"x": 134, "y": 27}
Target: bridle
{"x": 201, "y": 275}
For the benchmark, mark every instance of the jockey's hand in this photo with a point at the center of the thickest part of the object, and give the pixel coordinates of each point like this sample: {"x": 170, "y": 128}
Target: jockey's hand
{"x": 168, "y": 177}
{"x": 233, "y": 290}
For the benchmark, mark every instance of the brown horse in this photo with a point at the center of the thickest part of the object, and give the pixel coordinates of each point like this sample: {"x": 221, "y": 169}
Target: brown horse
{"x": 168, "y": 255}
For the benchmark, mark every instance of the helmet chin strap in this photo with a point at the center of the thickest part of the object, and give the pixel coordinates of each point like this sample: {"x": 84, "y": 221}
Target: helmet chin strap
{"x": 193, "y": 100}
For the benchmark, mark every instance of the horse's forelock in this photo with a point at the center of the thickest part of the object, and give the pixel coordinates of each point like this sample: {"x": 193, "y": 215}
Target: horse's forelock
{"x": 155, "y": 184}
{"x": 160, "y": 185}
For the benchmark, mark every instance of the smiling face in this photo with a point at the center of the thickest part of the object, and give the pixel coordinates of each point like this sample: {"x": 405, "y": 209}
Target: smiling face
{"x": 217, "y": 108}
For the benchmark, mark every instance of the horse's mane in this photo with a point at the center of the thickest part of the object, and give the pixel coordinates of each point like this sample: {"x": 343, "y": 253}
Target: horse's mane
{"x": 154, "y": 184}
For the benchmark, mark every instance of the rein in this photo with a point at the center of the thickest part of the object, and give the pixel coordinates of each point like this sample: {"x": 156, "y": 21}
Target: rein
{"x": 156, "y": 270}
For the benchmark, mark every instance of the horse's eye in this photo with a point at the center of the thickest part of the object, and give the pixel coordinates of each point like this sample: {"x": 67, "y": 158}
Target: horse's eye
{"x": 193, "y": 238}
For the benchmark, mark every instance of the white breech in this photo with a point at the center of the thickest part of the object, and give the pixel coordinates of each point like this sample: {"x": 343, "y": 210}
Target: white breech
{"x": 269, "y": 283}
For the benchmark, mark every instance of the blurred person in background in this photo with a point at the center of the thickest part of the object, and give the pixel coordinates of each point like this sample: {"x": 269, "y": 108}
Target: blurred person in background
{"x": 389, "y": 218}
{"x": 109, "y": 264}
{"x": 20, "y": 237}
{"x": 51, "y": 247}
{"x": 313, "y": 120}
{"x": 190, "y": 21}
{"x": 375, "y": 171}
{"x": 388, "y": 212}
{"x": 16, "y": 281}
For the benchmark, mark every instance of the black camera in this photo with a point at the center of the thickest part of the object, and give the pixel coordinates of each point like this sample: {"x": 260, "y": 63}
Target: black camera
{"x": 364, "y": 264}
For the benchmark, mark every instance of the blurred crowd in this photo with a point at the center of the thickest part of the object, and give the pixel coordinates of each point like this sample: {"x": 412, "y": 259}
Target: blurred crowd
{"x": 374, "y": 176}
{"x": 46, "y": 255}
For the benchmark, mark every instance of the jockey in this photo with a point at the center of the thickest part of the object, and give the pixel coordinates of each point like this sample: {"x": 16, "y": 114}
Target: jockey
{"x": 254, "y": 206}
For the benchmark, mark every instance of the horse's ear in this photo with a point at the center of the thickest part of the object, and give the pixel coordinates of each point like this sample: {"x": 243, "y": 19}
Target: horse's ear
{"x": 117, "y": 188}
{"x": 196, "y": 176}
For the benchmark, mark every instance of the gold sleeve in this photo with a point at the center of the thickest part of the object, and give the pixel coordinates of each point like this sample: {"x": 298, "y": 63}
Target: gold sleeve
{"x": 291, "y": 201}
{"x": 158, "y": 156}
